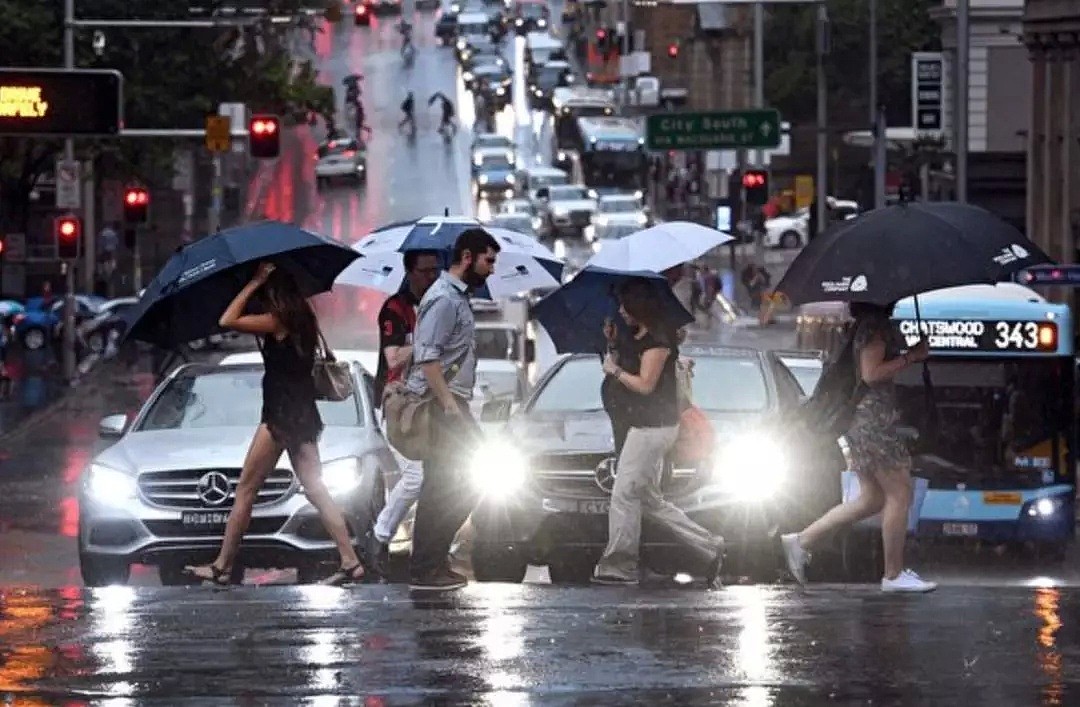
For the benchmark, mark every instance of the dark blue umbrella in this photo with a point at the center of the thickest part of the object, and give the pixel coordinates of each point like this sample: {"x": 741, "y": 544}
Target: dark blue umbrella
{"x": 185, "y": 299}
{"x": 574, "y": 314}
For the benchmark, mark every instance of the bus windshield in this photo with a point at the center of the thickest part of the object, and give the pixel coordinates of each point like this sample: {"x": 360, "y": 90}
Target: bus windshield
{"x": 994, "y": 423}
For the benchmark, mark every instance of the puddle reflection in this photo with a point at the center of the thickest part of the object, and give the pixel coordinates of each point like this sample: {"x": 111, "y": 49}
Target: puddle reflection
{"x": 1047, "y": 601}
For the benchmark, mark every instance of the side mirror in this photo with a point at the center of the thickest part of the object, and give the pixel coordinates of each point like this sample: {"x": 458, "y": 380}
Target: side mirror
{"x": 530, "y": 351}
{"x": 496, "y": 410}
{"x": 112, "y": 426}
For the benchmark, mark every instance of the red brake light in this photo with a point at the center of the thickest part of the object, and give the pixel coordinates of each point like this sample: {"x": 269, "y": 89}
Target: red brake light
{"x": 361, "y": 9}
{"x": 350, "y": 153}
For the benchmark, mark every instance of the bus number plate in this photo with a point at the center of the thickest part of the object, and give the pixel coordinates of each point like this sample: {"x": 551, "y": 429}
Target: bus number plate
{"x": 966, "y": 530}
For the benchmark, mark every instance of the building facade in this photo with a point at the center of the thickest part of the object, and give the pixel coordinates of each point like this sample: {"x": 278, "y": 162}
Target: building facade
{"x": 1051, "y": 31}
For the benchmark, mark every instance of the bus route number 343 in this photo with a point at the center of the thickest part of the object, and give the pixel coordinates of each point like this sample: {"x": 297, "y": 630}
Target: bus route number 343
{"x": 1028, "y": 336}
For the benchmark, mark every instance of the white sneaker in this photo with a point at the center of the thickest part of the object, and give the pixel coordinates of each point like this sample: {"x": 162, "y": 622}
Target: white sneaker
{"x": 907, "y": 581}
{"x": 797, "y": 558}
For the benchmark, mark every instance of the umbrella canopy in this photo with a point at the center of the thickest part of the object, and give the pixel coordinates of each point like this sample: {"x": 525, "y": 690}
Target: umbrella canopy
{"x": 10, "y": 307}
{"x": 660, "y": 247}
{"x": 574, "y": 314}
{"x": 523, "y": 264}
{"x": 186, "y": 298}
{"x": 899, "y": 251}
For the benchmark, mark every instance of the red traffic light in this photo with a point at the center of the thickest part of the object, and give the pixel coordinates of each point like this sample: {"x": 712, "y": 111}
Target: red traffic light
{"x": 136, "y": 197}
{"x": 673, "y": 50}
{"x": 264, "y": 127}
{"x": 600, "y": 35}
{"x": 264, "y": 136}
{"x": 752, "y": 180}
{"x": 361, "y": 10}
{"x": 68, "y": 228}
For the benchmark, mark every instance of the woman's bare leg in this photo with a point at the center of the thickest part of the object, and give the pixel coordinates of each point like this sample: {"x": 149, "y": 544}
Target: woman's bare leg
{"x": 870, "y": 502}
{"x": 262, "y": 457}
{"x": 896, "y": 483}
{"x": 308, "y": 468}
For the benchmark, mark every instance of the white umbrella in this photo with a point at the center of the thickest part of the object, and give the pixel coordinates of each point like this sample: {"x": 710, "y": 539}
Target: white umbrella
{"x": 524, "y": 263}
{"x": 658, "y": 248}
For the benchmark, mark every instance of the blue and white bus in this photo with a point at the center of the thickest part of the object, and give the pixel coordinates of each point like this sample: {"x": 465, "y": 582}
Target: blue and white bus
{"x": 610, "y": 153}
{"x": 996, "y": 437}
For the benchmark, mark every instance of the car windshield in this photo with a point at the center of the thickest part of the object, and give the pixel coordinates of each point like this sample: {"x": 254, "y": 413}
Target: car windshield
{"x": 498, "y": 384}
{"x": 726, "y": 384}
{"x": 547, "y": 180}
{"x": 227, "y": 398}
{"x": 515, "y": 206}
{"x": 495, "y": 162}
{"x": 488, "y": 59}
{"x": 515, "y": 222}
{"x": 532, "y": 10}
{"x": 619, "y": 206}
{"x": 806, "y": 372}
{"x": 336, "y": 147}
{"x": 496, "y": 343}
{"x": 486, "y": 141}
{"x": 549, "y": 75}
{"x": 567, "y": 193}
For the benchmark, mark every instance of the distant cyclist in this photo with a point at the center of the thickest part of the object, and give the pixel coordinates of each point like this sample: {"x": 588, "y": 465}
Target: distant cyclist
{"x": 408, "y": 107}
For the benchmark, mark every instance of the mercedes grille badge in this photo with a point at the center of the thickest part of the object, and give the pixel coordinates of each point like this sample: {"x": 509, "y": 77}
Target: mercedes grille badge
{"x": 213, "y": 488}
{"x": 605, "y": 474}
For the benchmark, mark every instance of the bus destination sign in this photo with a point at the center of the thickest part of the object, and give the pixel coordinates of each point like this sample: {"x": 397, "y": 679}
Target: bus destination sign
{"x": 60, "y": 102}
{"x": 982, "y": 335}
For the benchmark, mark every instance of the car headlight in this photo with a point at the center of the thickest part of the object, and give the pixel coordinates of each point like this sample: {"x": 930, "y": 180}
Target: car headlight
{"x": 752, "y": 467}
{"x": 483, "y": 179}
{"x": 500, "y": 91}
{"x": 510, "y": 179}
{"x": 467, "y": 76}
{"x": 341, "y": 476}
{"x": 460, "y": 44}
{"x": 108, "y": 486}
{"x": 477, "y": 161}
{"x": 641, "y": 219}
{"x": 538, "y": 92}
{"x": 541, "y": 23}
{"x": 639, "y": 194}
{"x": 498, "y": 469}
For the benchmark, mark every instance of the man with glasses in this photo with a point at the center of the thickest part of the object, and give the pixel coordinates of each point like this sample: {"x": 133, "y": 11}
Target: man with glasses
{"x": 397, "y": 320}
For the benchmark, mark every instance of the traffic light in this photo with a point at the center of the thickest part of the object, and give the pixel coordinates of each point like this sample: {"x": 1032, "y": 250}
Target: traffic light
{"x": 136, "y": 205}
{"x": 673, "y": 50}
{"x": 68, "y": 233}
{"x": 264, "y": 136}
{"x": 602, "y": 40}
{"x": 755, "y": 183}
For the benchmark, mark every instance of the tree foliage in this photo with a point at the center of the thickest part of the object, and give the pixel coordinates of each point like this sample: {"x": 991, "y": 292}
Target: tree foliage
{"x": 904, "y": 26}
{"x": 173, "y": 77}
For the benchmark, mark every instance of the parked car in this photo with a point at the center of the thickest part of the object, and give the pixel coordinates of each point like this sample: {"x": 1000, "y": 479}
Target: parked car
{"x": 161, "y": 494}
{"x": 42, "y": 320}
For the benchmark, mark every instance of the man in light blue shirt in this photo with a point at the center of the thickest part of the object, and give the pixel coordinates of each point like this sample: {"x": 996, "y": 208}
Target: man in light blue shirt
{"x": 444, "y": 369}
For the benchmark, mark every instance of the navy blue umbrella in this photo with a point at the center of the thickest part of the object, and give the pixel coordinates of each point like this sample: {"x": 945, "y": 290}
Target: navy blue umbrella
{"x": 574, "y": 314}
{"x": 185, "y": 299}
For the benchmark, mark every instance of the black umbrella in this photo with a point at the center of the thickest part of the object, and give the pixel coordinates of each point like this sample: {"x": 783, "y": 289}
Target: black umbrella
{"x": 900, "y": 251}
{"x": 186, "y": 298}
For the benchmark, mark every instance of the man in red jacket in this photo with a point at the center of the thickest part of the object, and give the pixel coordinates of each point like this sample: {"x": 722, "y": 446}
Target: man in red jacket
{"x": 397, "y": 320}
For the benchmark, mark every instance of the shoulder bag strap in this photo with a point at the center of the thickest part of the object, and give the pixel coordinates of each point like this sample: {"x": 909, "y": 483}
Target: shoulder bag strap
{"x": 327, "y": 354}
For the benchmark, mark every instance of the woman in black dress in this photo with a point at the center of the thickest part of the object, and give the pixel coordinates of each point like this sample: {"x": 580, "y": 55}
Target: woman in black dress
{"x": 290, "y": 419}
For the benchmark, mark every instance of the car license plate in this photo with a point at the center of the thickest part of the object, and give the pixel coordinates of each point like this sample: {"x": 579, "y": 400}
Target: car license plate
{"x": 204, "y": 519}
{"x": 962, "y": 529}
{"x": 594, "y": 507}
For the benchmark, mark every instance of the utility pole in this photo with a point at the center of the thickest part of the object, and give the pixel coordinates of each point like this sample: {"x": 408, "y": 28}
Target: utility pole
{"x": 821, "y": 193}
{"x": 876, "y": 127}
{"x": 68, "y": 362}
{"x": 759, "y": 102}
{"x": 963, "y": 46}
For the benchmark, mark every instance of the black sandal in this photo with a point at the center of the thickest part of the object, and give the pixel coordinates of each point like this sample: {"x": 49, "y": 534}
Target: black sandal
{"x": 218, "y": 576}
{"x": 347, "y": 575}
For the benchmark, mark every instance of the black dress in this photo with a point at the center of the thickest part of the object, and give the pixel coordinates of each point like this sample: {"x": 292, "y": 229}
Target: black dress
{"x": 288, "y": 388}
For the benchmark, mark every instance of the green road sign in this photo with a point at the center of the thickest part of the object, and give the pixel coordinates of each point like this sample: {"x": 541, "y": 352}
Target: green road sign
{"x": 721, "y": 130}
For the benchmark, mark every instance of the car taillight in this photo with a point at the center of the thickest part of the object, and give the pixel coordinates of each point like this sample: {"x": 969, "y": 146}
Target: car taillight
{"x": 361, "y": 9}
{"x": 350, "y": 153}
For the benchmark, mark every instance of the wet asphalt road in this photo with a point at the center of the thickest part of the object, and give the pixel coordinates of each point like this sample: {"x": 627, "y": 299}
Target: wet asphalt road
{"x": 997, "y": 633}
{"x": 505, "y": 645}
